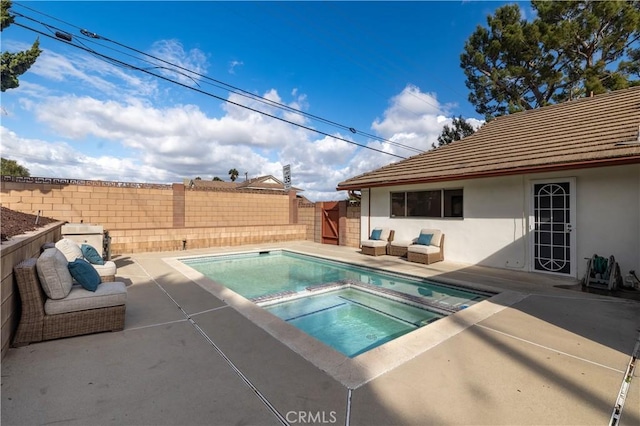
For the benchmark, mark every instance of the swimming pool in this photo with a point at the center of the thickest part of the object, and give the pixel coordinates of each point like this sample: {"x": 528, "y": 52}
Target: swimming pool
{"x": 350, "y": 308}
{"x": 358, "y": 320}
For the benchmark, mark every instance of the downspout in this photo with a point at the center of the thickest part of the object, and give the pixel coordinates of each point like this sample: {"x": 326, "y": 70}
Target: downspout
{"x": 369, "y": 214}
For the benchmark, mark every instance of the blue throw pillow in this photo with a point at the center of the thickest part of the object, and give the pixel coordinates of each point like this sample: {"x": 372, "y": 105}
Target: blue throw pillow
{"x": 376, "y": 233}
{"x": 425, "y": 239}
{"x": 91, "y": 254}
{"x": 85, "y": 274}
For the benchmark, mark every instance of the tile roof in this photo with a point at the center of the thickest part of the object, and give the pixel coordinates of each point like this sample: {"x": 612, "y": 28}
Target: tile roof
{"x": 267, "y": 182}
{"x": 588, "y": 132}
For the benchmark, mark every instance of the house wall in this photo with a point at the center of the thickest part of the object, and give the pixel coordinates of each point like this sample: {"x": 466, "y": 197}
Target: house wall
{"x": 608, "y": 222}
{"x": 495, "y": 228}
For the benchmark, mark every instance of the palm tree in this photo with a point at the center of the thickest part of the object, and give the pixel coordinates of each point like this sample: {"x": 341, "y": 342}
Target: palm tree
{"x": 233, "y": 173}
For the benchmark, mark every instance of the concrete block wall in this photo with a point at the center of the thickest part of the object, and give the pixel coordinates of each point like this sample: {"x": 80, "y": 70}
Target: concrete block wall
{"x": 175, "y": 239}
{"x": 113, "y": 207}
{"x": 151, "y": 210}
{"x": 13, "y": 252}
{"x": 306, "y": 216}
{"x": 207, "y": 208}
{"x": 351, "y": 223}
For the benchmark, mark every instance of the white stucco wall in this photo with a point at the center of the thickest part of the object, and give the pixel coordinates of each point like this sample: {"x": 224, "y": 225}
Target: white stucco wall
{"x": 495, "y": 228}
{"x": 608, "y": 221}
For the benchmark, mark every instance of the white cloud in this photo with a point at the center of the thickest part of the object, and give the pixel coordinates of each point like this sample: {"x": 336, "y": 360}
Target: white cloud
{"x": 92, "y": 73}
{"x": 148, "y": 141}
{"x": 413, "y": 118}
{"x": 188, "y": 64}
{"x": 233, "y": 65}
{"x": 59, "y": 159}
{"x": 182, "y": 141}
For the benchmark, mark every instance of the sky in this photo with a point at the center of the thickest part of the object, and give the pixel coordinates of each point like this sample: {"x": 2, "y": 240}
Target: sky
{"x": 160, "y": 91}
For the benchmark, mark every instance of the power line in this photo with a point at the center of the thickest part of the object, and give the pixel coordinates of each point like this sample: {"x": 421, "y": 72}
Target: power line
{"x": 133, "y": 67}
{"x": 90, "y": 37}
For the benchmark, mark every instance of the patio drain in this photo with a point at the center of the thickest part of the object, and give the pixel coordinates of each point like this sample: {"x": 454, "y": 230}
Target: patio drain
{"x": 624, "y": 388}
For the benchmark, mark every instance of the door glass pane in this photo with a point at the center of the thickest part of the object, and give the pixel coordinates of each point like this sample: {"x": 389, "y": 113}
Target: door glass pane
{"x": 552, "y": 251}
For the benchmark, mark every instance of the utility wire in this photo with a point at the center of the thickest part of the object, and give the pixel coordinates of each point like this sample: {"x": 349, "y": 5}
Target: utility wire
{"x": 146, "y": 71}
{"x": 225, "y": 86}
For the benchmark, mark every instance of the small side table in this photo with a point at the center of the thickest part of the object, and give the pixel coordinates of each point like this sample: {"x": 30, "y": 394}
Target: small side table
{"x": 399, "y": 248}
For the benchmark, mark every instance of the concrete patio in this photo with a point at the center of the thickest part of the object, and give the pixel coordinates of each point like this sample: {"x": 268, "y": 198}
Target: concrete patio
{"x": 191, "y": 354}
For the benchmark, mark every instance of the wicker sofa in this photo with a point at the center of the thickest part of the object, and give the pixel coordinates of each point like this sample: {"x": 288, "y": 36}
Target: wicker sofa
{"x": 428, "y": 253}
{"x": 62, "y": 308}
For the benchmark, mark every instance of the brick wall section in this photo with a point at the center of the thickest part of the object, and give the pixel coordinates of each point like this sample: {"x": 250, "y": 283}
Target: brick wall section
{"x": 178, "y": 205}
{"x": 159, "y": 217}
{"x": 352, "y": 225}
{"x": 307, "y": 216}
{"x": 212, "y": 208}
{"x": 293, "y": 207}
{"x": 171, "y": 239}
{"x": 13, "y": 252}
{"x": 317, "y": 217}
{"x": 111, "y": 207}
{"x": 342, "y": 223}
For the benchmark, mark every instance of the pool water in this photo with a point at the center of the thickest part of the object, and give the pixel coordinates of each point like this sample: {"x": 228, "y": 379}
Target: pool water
{"x": 352, "y": 320}
{"x": 350, "y": 308}
{"x": 254, "y": 275}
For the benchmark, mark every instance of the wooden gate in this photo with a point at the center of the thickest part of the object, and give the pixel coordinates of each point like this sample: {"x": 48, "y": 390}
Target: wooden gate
{"x": 330, "y": 220}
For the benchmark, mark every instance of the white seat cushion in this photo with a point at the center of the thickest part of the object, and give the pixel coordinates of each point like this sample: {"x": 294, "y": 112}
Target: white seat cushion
{"x": 79, "y": 299}
{"x": 109, "y": 268}
{"x": 419, "y": 248}
{"x": 374, "y": 243}
{"x": 401, "y": 243}
{"x": 55, "y": 278}
{"x": 70, "y": 249}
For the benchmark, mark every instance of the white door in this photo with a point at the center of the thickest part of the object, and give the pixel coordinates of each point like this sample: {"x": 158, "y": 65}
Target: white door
{"x": 554, "y": 237}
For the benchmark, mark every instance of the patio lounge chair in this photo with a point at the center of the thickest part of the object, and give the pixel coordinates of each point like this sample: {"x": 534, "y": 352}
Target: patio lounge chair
{"x": 377, "y": 243}
{"x": 427, "y": 248}
{"x": 65, "y": 308}
{"x": 72, "y": 251}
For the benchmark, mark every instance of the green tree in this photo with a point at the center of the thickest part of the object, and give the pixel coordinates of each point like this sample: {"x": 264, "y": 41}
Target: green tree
{"x": 570, "y": 49}
{"x": 458, "y": 130}
{"x": 14, "y": 64}
{"x": 217, "y": 179}
{"x": 595, "y": 36}
{"x": 12, "y": 168}
{"x": 233, "y": 174}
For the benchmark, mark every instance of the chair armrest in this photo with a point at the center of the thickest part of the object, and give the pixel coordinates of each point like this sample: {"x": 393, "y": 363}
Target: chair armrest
{"x": 391, "y": 235}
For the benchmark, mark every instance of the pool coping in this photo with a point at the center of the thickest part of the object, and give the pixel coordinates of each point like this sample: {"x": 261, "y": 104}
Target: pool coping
{"x": 357, "y": 371}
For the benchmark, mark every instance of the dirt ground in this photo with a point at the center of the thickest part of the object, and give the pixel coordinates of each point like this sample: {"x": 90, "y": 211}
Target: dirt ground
{"x": 14, "y": 223}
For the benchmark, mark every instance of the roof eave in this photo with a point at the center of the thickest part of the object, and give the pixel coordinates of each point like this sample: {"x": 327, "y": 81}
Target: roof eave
{"x": 497, "y": 173}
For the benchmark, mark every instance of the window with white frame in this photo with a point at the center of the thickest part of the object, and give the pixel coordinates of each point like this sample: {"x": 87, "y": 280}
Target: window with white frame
{"x": 431, "y": 203}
